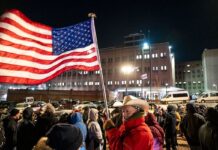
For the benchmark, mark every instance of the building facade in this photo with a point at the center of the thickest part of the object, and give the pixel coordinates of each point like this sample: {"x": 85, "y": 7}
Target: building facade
{"x": 189, "y": 76}
{"x": 210, "y": 69}
{"x": 151, "y": 69}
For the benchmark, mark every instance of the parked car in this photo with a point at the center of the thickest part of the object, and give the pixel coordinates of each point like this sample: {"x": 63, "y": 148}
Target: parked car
{"x": 211, "y": 96}
{"x": 81, "y": 106}
{"x": 37, "y": 105}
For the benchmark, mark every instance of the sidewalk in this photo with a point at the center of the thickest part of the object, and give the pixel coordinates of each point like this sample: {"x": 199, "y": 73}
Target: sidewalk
{"x": 182, "y": 144}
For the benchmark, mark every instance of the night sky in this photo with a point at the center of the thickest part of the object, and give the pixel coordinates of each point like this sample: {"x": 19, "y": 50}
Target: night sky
{"x": 189, "y": 26}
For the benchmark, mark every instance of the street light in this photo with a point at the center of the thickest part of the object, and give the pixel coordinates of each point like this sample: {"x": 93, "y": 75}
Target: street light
{"x": 127, "y": 70}
{"x": 143, "y": 76}
{"x": 166, "y": 84}
{"x": 215, "y": 86}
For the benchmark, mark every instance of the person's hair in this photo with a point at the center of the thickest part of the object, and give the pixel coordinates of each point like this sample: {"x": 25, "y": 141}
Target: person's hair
{"x": 28, "y": 113}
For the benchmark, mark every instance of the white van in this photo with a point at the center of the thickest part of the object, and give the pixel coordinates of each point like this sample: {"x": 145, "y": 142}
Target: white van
{"x": 211, "y": 96}
{"x": 176, "y": 97}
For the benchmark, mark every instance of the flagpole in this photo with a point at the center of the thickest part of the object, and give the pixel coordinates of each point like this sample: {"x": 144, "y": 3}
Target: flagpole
{"x": 93, "y": 16}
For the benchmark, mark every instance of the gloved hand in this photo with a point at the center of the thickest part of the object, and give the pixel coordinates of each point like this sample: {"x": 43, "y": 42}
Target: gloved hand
{"x": 108, "y": 124}
{"x": 115, "y": 121}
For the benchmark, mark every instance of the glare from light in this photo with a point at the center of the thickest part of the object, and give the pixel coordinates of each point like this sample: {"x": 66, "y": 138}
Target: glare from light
{"x": 127, "y": 69}
{"x": 145, "y": 46}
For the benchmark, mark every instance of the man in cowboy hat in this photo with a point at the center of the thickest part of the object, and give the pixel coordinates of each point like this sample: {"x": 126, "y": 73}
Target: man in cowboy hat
{"x": 128, "y": 130}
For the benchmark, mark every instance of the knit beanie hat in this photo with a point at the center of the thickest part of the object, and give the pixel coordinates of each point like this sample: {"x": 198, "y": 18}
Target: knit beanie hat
{"x": 64, "y": 137}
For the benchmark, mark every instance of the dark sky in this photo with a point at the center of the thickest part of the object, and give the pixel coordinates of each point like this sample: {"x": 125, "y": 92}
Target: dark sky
{"x": 189, "y": 26}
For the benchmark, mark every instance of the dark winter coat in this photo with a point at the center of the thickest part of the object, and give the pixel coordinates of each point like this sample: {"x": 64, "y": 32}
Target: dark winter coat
{"x": 170, "y": 124}
{"x": 190, "y": 126}
{"x": 10, "y": 128}
{"x": 26, "y": 136}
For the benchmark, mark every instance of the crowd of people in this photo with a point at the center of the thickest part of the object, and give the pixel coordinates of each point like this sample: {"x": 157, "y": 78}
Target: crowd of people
{"x": 131, "y": 126}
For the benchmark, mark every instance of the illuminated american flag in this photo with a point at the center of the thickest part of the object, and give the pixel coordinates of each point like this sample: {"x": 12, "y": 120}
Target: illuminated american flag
{"x": 33, "y": 53}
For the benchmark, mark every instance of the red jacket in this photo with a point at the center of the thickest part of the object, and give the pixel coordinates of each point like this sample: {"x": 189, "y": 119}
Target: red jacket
{"x": 134, "y": 134}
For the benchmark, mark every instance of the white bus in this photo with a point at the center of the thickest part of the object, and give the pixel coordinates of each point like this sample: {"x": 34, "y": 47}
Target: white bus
{"x": 176, "y": 97}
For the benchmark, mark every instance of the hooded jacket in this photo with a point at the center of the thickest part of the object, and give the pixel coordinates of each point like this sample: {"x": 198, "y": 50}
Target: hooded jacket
{"x": 77, "y": 120}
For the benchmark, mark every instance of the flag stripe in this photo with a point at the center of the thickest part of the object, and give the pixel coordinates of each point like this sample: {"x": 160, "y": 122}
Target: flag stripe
{"x": 46, "y": 64}
{"x": 42, "y": 71}
{"x": 26, "y": 23}
{"x": 12, "y": 34}
{"x": 25, "y": 43}
{"x": 10, "y": 52}
{"x": 25, "y": 74}
{"x": 14, "y": 27}
{"x": 11, "y": 45}
{"x": 30, "y": 81}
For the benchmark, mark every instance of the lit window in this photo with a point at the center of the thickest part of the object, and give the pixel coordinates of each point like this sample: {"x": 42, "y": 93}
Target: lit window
{"x": 153, "y": 68}
{"x": 90, "y": 83}
{"x": 85, "y": 83}
{"x": 165, "y": 67}
{"x": 188, "y": 65}
{"x": 156, "y": 55}
{"x": 123, "y": 82}
{"x": 148, "y": 56}
{"x": 97, "y": 83}
{"x": 161, "y": 55}
{"x": 152, "y": 55}
{"x": 162, "y": 67}
{"x": 97, "y": 72}
{"x": 156, "y": 68}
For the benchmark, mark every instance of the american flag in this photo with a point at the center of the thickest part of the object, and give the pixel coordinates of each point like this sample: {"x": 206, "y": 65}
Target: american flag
{"x": 33, "y": 53}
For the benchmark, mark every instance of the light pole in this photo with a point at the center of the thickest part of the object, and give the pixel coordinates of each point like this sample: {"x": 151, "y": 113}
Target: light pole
{"x": 166, "y": 84}
{"x": 215, "y": 86}
{"x": 143, "y": 76}
{"x": 127, "y": 70}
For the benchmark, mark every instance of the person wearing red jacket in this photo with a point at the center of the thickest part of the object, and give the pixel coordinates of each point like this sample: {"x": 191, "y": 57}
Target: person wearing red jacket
{"x": 128, "y": 131}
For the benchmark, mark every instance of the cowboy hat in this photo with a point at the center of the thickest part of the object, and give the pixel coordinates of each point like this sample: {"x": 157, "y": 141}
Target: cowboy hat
{"x": 134, "y": 101}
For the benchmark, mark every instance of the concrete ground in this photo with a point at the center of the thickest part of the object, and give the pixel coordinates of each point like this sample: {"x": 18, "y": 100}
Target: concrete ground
{"x": 182, "y": 144}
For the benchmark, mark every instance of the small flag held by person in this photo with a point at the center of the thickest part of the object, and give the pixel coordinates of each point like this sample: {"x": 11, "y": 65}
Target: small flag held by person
{"x": 33, "y": 53}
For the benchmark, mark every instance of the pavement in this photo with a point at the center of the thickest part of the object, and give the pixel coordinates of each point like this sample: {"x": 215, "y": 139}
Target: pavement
{"x": 182, "y": 144}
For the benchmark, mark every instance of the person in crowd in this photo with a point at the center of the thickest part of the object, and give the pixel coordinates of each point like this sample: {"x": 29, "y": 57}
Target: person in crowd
{"x": 208, "y": 133}
{"x": 10, "y": 128}
{"x": 95, "y": 141}
{"x": 160, "y": 115}
{"x": 190, "y": 126}
{"x": 45, "y": 120}
{"x": 117, "y": 108}
{"x": 64, "y": 118}
{"x": 170, "y": 128}
{"x": 178, "y": 121}
{"x": 156, "y": 130}
{"x": 26, "y": 137}
{"x": 101, "y": 118}
{"x": 85, "y": 114}
{"x": 128, "y": 130}
{"x": 77, "y": 120}
{"x": 202, "y": 109}
{"x": 61, "y": 136}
